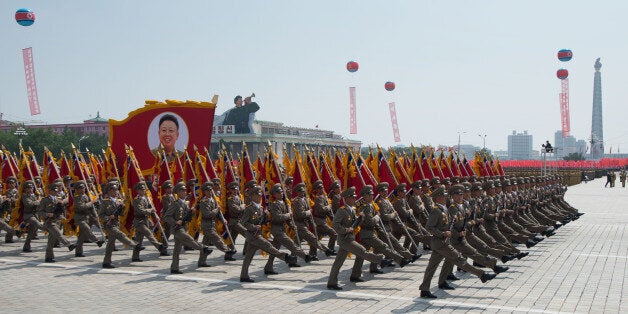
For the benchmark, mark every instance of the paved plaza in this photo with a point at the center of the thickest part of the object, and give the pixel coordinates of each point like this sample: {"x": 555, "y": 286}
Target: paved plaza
{"x": 580, "y": 269}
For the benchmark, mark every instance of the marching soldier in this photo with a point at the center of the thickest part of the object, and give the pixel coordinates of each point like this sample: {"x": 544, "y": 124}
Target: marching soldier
{"x": 83, "y": 212}
{"x": 253, "y": 218}
{"x": 419, "y": 212}
{"x": 209, "y": 213}
{"x": 390, "y": 218}
{"x": 439, "y": 225}
{"x": 30, "y": 202}
{"x": 405, "y": 224}
{"x": 622, "y": 177}
{"x": 321, "y": 211}
{"x": 473, "y": 223}
{"x": 143, "y": 210}
{"x": 235, "y": 208}
{"x": 53, "y": 209}
{"x": 334, "y": 196}
{"x": 166, "y": 199}
{"x": 177, "y": 216}
{"x": 345, "y": 222}
{"x": 111, "y": 208}
{"x": 371, "y": 222}
{"x": 303, "y": 220}
{"x": 6, "y": 207}
{"x": 459, "y": 240}
{"x": 280, "y": 216}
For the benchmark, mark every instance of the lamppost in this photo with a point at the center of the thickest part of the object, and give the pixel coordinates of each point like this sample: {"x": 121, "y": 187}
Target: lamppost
{"x": 460, "y": 132}
{"x": 20, "y": 132}
{"x": 483, "y": 136}
{"x": 79, "y": 142}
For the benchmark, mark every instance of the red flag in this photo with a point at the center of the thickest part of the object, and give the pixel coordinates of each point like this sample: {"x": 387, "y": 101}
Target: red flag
{"x": 246, "y": 168}
{"x": 327, "y": 176}
{"x": 426, "y": 167}
{"x": 353, "y": 177}
{"x": 384, "y": 171}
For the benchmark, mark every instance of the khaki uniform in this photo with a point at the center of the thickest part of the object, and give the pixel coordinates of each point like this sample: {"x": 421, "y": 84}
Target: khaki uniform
{"x": 391, "y": 221}
{"x": 83, "y": 210}
{"x": 235, "y": 209}
{"x": 253, "y": 218}
{"x": 437, "y": 223}
{"x": 343, "y": 220}
{"x": 209, "y": 211}
{"x": 5, "y": 210}
{"x": 30, "y": 202}
{"x": 179, "y": 210}
{"x": 321, "y": 210}
{"x": 280, "y": 216}
{"x": 56, "y": 207}
{"x": 369, "y": 239}
{"x": 303, "y": 218}
{"x": 113, "y": 206}
{"x": 166, "y": 200}
{"x": 459, "y": 241}
{"x": 142, "y": 210}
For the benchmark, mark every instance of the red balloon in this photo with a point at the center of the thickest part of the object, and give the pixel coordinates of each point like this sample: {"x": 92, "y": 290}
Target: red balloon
{"x": 389, "y": 86}
{"x": 562, "y": 74}
{"x": 352, "y": 66}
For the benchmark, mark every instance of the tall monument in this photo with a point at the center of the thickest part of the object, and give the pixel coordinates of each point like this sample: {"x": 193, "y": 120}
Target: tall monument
{"x": 597, "y": 132}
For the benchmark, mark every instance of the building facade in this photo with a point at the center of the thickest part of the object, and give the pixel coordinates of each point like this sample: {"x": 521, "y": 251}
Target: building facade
{"x": 278, "y": 135}
{"x": 96, "y": 125}
{"x": 520, "y": 146}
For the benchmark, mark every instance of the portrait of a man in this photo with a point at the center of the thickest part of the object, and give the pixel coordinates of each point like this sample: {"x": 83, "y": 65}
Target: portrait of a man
{"x": 169, "y": 134}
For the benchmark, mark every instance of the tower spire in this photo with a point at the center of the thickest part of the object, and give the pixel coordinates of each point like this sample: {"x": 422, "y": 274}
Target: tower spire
{"x": 597, "y": 132}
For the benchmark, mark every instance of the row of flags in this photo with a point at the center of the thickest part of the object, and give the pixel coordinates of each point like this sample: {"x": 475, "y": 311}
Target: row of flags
{"x": 346, "y": 165}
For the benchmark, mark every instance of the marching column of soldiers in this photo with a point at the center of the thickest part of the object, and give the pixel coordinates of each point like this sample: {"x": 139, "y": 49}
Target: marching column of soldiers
{"x": 482, "y": 220}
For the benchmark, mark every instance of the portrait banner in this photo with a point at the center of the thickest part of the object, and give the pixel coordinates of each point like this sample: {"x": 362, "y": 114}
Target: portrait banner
{"x": 170, "y": 127}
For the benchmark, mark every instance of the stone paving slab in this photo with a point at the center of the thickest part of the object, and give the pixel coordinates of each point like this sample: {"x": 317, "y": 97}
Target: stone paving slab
{"x": 580, "y": 269}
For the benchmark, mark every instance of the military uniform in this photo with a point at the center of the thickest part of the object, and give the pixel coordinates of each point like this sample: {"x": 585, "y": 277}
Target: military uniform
{"x": 280, "y": 216}
{"x": 235, "y": 208}
{"x": 321, "y": 211}
{"x": 179, "y": 211}
{"x": 7, "y": 202}
{"x": 343, "y": 223}
{"x": 166, "y": 199}
{"x": 210, "y": 210}
{"x": 30, "y": 202}
{"x": 83, "y": 212}
{"x": 53, "y": 210}
{"x": 368, "y": 237}
{"x": 143, "y": 210}
{"x": 391, "y": 223}
{"x": 110, "y": 209}
{"x": 459, "y": 236}
{"x": 303, "y": 218}
{"x": 252, "y": 220}
{"x": 439, "y": 224}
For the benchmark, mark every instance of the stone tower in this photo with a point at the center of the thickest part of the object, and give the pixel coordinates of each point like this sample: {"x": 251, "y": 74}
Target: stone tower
{"x": 597, "y": 131}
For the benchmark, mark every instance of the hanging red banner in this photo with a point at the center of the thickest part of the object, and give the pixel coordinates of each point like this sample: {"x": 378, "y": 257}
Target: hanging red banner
{"x": 352, "y": 120}
{"x": 393, "y": 119}
{"x": 31, "y": 86}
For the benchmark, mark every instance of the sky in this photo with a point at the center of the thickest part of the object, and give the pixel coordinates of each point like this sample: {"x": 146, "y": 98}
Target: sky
{"x": 461, "y": 68}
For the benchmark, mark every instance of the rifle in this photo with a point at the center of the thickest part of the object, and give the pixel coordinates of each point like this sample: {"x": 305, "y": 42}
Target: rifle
{"x": 115, "y": 212}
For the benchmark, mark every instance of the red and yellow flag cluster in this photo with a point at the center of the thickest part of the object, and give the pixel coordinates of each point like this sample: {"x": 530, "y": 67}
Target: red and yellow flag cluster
{"x": 347, "y": 166}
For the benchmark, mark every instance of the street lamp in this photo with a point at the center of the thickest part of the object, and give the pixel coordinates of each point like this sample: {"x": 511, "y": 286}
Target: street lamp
{"x": 483, "y": 136}
{"x": 79, "y": 142}
{"x": 20, "y": 132}
{"x": 460, "y": 132}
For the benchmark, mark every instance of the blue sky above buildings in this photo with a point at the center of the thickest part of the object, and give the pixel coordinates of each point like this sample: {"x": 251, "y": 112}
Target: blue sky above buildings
{"x": 478, "y": 67}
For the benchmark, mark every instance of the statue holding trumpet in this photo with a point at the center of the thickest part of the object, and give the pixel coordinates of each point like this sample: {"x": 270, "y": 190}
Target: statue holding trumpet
{"x": 242, "y": 115}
